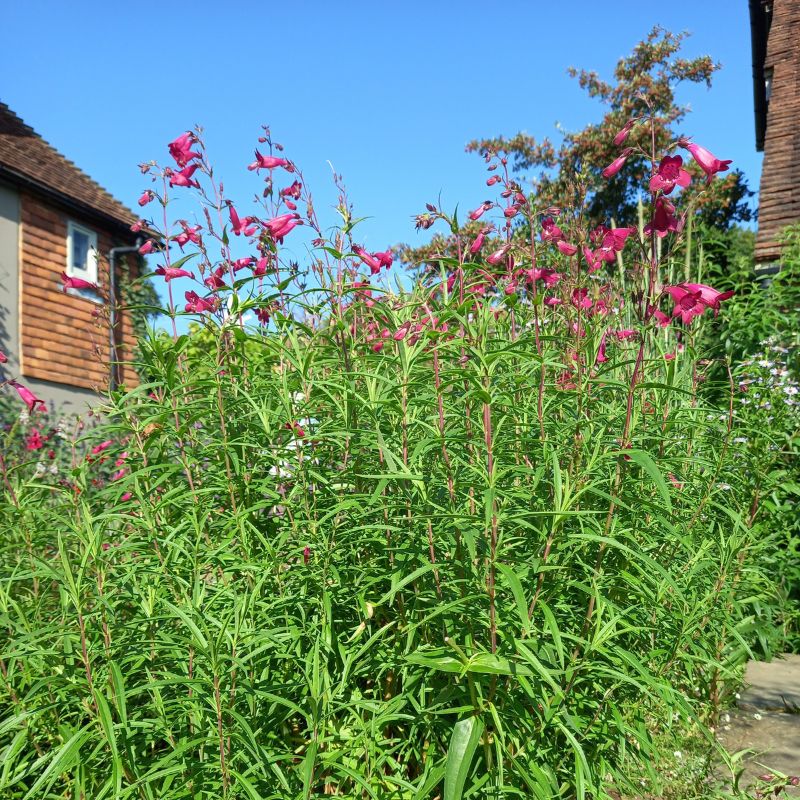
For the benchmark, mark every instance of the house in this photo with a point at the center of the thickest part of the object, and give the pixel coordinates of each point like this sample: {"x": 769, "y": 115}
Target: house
{"x": 55, "y": 219}
{"x": 775, "y": 36}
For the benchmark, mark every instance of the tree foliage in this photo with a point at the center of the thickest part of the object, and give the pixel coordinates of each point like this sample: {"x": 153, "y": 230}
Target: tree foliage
{"x": 645, "y": 82}
{"x": 569, "y": 174}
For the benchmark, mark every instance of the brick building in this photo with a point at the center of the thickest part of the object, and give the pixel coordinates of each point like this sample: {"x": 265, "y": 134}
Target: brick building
{"x": 775, "y": 29}
{"x": 55, "y": 219}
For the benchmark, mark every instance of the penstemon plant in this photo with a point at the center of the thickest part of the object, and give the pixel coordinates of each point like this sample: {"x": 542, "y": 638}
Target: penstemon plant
{"x": 480, "y": 537}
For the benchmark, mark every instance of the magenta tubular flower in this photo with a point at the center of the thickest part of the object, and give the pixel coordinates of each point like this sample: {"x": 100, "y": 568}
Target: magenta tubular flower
{"x": 27, "y": 396}
{"x": 670, "y": 173}
{"x": 385, "y": 257}
{"x": 661, "y": 318}
{"x": 371, "y": 261}
{"x": 566, "y": 248}
{"x": 550, "y": 231}
{"x": 612, "y": 243}
{"x": 278, "y": 223}
{"x": 624, "y": 132}
{"x": 241, "y": 263}
{"x": 146, "y": 197}
{"x": 692, "y": 299}
{"x": 707, "y": 161}
{"x": 181, "y": 149}
{"x": 616, "y": 165}
{"x": 69, "y": 282}
{"x": 184, "y": 177}
{"x": 553, "y": 301}
{"x": 708, "y": 296}
{"x": 147, "y": 247}
{"x": 581, "y": 299}
{"x": 285, "y": 229}
{"x": 267, "y": 162}
{"x": 497, "y": 257}
{"x": 34, "y": 441}
{"x": 593, "y": 261}
{"x": 196, "y": 304}
{"x": 241, "y": 226}
{"x": 261, "y": 267}
{"x": 480, "y": 210}
{"x": 170, "y": 273}
{"x": 711, "y": 297}
{"x": 477, "y": 243}
{"x": 664, "y": 219}
{"x": 601, "y": 350}
{"x": 618, "y": 237}
{"x": 624, "y": 334}
{"x": 189, "y": 234}
{"x": 3, "y": 358}
{"x": 214, "y": 280}
{"x": 292, "y": 191}
{"x": 548, "y": 276}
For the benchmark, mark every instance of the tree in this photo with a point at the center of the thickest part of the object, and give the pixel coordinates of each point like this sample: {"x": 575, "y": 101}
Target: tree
{"x": 572, "y": 170}
{"x": 653, "y": 71}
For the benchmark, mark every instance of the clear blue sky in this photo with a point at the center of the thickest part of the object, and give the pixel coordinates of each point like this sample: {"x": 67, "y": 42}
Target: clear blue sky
{"x": 389, "y": 92}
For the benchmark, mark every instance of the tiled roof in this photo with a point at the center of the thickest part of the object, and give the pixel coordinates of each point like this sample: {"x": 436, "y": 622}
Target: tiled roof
{"x": 25, "y": 155}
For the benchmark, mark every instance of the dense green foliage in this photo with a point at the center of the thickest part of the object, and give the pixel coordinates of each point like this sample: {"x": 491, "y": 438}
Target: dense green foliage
{"x": 457, "y": 542}
{"x": 761, "y": 332}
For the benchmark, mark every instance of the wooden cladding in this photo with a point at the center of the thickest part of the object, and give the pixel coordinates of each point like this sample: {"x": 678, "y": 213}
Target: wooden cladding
{"x": 779, "y": 199}
{"x": 64, "y": 338}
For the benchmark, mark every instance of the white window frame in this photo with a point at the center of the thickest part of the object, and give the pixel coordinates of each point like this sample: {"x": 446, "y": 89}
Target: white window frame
{"x": 90, "y": 274}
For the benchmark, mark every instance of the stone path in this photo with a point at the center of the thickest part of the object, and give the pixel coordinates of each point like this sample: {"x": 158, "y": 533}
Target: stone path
{"x": 767, "y": 720}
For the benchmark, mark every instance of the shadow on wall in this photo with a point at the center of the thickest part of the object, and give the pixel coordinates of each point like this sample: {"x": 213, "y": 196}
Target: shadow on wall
{"x": 9, "y": 292}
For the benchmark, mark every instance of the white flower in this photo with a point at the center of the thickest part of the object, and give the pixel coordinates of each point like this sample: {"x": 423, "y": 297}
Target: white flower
{"x": 678, "y": 754}
{"x": 756, "y": 716}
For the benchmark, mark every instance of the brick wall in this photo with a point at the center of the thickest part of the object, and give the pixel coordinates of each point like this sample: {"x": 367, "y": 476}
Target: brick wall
{"x": 779, "y": 200}
{"x": 64, "y": 338}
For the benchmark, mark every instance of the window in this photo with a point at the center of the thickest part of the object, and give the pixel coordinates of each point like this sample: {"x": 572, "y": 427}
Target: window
{"x": 81, "y": 252}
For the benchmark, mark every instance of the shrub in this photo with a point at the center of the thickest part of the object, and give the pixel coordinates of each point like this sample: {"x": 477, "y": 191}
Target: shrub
{"x": 483, "y": 537}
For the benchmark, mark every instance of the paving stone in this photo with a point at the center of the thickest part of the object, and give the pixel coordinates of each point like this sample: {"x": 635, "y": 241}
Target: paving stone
{"x": 774, "y": 738}
{"x": 767, "y": 721}
{"x": 772, "y": 685}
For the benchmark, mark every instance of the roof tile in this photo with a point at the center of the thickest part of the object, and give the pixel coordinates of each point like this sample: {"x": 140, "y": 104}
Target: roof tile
{"x": 25, "y": 153}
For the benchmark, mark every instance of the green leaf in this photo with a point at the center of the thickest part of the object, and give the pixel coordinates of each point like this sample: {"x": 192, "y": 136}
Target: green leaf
{"x": 649, "y": 466}
{"x": 519, "y": 595}
{"x": 64, "y": 758}
{"x": 463, "y": 743}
